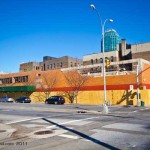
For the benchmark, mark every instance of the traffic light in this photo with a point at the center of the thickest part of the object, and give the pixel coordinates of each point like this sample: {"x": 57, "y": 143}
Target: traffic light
{"x": 107, "y": 61}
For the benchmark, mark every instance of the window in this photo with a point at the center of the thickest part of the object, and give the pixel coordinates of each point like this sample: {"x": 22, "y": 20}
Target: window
{"x": 101, "y": 60}
{"x": 96, "y": 70}
{"x": 92, "y": 61}
{"x": 112, "y": 59}
{"x": 61, "y": 64}
{"x": 21, "y": 79}
{"x": 16, "y": 79}
{"x": 96, "y": 61}
{"x": 54, "y": 65}
{"x": 57, "y": 65}
{"x": 6, "y": 81}
{"x": 51, "y": 66}
{"x": 37, "y": 75}
{"x": 37, "y": 68}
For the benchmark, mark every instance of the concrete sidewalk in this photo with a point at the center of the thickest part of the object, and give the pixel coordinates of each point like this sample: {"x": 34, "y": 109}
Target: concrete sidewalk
{"x": 6, "y": 131}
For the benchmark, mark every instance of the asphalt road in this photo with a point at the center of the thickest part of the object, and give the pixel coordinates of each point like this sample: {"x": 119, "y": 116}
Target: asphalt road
{"x": 73, "y": 127}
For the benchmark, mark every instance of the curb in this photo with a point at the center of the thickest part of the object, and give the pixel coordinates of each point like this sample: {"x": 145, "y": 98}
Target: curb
{"x": 57, "y": 110}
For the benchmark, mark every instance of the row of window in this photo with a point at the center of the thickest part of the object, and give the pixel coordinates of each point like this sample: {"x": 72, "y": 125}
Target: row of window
{"x": 101, "y": 60}
{"x": 55, "y": 65}
{"x": 14, "y": 80}
{"x": 52, "y": 66}
{"x": 36, "y": 67}
{"x": 75, "y": 64}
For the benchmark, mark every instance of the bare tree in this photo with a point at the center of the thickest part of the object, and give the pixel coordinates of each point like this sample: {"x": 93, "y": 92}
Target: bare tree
{"x": 49, "y": 81}
{"x": 75, "y": 81}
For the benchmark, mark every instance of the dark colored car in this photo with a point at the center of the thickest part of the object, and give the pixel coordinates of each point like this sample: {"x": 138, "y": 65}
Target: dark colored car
{"x": 55, "y": 100}
{"x": 23, "y": 99}
{"x": 6, "y": 99}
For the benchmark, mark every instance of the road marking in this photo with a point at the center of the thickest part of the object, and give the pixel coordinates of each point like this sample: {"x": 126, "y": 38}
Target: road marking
{"x": 13, "y": 122}
{"x": 135, "y": 111}
{"x": 140, "y": 109}
{"x": 68, "y": 136}
{"x": 23, "y": 120}
{"x": 86, "y": 140}
{"x": 6, "y": 110}
{"x": 72, "y": 121}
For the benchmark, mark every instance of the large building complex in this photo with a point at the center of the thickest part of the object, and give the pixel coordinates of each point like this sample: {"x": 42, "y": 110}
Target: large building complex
{"x": 129, "y": 70}
{"x": 117, "y": 52}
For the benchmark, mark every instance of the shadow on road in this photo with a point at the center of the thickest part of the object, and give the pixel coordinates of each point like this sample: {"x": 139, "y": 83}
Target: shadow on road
{"x": 83, "y": 135}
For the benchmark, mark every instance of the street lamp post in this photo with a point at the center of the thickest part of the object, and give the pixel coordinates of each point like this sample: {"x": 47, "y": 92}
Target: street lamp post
{"x": 137, "y": 82}
{"x": 105, "y": 108}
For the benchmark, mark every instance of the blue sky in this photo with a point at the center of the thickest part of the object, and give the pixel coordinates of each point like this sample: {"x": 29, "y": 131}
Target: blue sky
{"x": 31, "y": 29}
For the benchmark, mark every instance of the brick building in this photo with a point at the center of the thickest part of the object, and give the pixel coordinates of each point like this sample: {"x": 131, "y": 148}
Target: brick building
{"x": 29, "y": 66}
{"x": 50, "y": 63}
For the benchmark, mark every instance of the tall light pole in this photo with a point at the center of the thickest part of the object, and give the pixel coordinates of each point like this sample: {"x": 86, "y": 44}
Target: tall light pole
{"x": 105, "y": 108}
{"x": 137, "y": 85}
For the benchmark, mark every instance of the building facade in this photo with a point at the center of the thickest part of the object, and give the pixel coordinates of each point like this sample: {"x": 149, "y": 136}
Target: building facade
{"x": 94, "y": 59}
{"x": 111, "y": 40}
{"x": 61, "y": 62}
{"x": 115, "y": 52}
{"x": 50, "y": 63}
{"x": 29, "y": 66}
{"x": 134, "y": 51}
{"x": 118, "y": 87}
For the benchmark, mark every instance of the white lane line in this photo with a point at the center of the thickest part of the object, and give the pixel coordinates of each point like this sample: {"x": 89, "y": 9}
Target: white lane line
{"x": 135, "y": 111}
{"x": 85, "y": 140}
{"x": 23, "y": 120}
{"x": 30, "y": 119}
{"x": 146, "y": 108}
{"x": 72, "y": 121}
{"x": 5, "y": 110}
{"x": 142, "y": 109}
{"x": 68, "y": 136}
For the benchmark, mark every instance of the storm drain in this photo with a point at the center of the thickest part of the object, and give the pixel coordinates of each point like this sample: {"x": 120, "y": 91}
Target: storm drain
{"x": 43, "y": 132}
{"x": 81, "y": 111}
{"x": 46, "y": 133}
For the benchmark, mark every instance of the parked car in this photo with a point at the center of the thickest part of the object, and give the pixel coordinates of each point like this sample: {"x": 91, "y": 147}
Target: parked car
{"x": 6, "y": 99}
{"x": 55, "y": 100}
{"x": 23, "y": 99}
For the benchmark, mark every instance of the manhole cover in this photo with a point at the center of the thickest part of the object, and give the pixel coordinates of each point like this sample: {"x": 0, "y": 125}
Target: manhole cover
{"x": 43, "y": 132}
{"x": 81, "y": 111}
{"x": 2, "y": 130}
